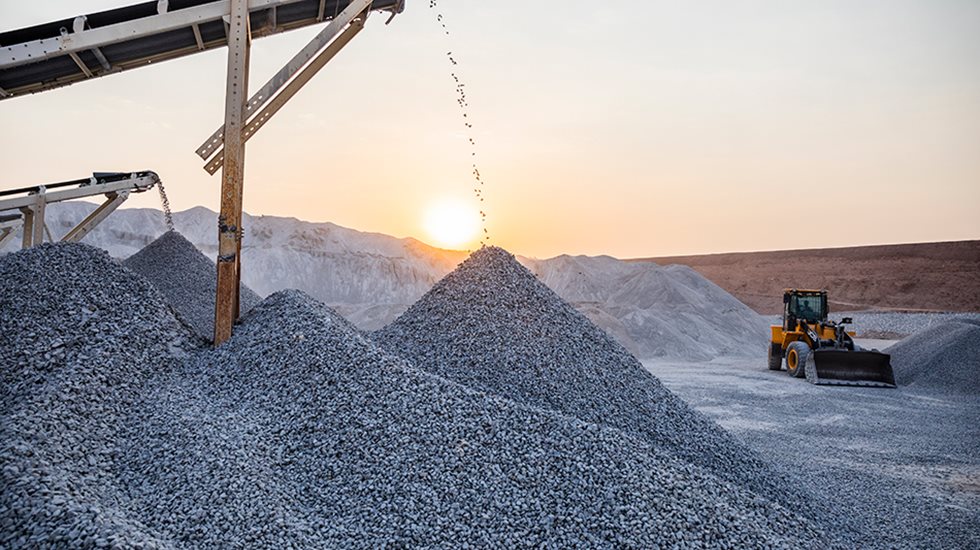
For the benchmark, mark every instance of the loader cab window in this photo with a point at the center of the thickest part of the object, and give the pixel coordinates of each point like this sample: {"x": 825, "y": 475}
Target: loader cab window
{"x": 811, "y": 308}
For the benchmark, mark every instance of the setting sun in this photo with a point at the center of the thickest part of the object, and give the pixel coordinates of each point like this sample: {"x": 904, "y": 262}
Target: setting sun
{"x": 451, "y": 223}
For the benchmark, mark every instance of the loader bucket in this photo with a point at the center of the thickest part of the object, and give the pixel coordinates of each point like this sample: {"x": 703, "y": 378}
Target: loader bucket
{"x": 835, "y": 367}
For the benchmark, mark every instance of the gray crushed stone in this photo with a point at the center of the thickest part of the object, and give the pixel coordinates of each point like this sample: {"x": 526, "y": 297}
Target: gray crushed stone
{"x": 79, "y": 339}
{"x": 902, "y": 463}
{"x": 944, "y": 357}
{"x": 187, "y": 278}
{"x": 492, "y": 326}
{"x": 892, "y": 324}
{"x": 300, "y": 432}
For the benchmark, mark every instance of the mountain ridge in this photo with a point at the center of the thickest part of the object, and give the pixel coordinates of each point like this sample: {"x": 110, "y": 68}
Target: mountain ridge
{"x": 372, "y": 278}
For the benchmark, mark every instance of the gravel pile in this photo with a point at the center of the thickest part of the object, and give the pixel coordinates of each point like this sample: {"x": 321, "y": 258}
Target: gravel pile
{"x": 81, "y": 337}
{"x": 891, "y": 325}
{"x": 491, "y": 325}
{"x": 300, "y": 432}
{"x": 187, "y": 278}
{"x": 655, "y": 311}
{"x": 944, "y": 357}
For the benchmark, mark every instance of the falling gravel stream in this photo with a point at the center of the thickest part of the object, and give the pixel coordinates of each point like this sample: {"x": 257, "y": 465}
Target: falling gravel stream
{"x": 463, "y": 102}
{"x": 168, "y": 216}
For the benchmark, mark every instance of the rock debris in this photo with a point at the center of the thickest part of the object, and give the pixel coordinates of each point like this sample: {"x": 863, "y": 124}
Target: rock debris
{"x": 187, "y": 278}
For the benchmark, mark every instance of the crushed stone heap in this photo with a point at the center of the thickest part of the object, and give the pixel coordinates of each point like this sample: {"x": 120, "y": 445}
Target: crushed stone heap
{"x": 944, "y": 357}
{"x": 492, "y": 326}
{"x": 300, "y": 431}
{"x": 81, "y": 338}
{"x": 187, "y": 278}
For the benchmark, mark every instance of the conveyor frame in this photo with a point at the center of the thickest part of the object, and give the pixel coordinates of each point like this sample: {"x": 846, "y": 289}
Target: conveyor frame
{"x": 59, "y": 53}
{"x": 49, "y": 56}
{"x": 25, "y": 207}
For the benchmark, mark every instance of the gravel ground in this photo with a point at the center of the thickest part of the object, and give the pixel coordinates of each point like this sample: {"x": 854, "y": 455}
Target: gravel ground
{"x": 889, "y": 324}
{"x": 491, "y": 325}
{"x": 187, "y": 278}
{"x": 904, "y": 463}
{"x": 944, "y": 357}
{"x": 300, "y": 432}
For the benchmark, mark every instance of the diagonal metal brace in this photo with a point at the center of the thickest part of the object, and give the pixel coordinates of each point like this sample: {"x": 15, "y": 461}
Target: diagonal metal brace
{"x": 289, "y": 90}
{"x": 356, "y": 9}
{"x": 113, "y": 201}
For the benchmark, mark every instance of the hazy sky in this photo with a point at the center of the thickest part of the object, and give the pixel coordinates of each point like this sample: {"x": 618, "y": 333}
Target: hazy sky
{"x": 621, "y": 127}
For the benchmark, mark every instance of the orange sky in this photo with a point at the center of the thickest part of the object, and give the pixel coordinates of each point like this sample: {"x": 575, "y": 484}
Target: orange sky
{"x": 631, "y": 129}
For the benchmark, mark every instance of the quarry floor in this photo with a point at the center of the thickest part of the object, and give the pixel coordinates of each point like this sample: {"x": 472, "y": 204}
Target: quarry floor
{"x": 897, "y": 456}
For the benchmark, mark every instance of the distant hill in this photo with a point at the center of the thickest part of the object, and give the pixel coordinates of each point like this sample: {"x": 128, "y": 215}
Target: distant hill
{"x": 941, "y": 276}
{"x": 371, "y": 278}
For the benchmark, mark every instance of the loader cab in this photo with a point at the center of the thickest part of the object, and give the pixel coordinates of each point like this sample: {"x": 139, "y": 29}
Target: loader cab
{"x": 803, "y": 305}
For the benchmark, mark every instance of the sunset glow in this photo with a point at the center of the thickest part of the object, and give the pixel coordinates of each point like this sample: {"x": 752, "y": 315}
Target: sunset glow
{"x": 451, "y": 223}
{"x": 680, "y": 129}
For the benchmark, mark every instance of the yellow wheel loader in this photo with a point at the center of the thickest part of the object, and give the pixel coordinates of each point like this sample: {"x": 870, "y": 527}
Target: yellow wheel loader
{"x": 822, "y": 350}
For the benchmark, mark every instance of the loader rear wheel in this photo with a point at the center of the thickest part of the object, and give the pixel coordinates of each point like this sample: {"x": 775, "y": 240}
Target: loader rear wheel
{"x": 796, "y": 356}
{"x": 775, "y": 357}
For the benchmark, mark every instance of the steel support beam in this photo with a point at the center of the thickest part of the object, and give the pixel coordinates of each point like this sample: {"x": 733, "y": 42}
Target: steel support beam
{"x": 292, "y": 67}
{"x": 27, "y": 239}
{"x": 81, "y": 64}
{"x": 291, "y": 89}
{"x": 197, "y": 37}
{"x": 113, "y": 201}
{"x": 8, "y": 224}
{"x": 101, "y": 58}
{"x": 34, "y": 219}
{"x": 233, "y": 174}
{"x": 5, "y": 234}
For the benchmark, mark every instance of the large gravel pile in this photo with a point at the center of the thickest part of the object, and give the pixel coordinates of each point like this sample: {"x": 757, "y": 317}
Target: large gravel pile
{"x": 491, "y": 325}
{"x": 300, "y": 432}
{"x": 187, "y": 278}
{"x": 79, "y": 338}
{"x": 944, "y": 357}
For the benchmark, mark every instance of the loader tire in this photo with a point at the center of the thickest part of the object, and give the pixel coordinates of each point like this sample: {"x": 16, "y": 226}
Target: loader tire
{"x": 775, "y": 357}
{"x": 796, "y": 357}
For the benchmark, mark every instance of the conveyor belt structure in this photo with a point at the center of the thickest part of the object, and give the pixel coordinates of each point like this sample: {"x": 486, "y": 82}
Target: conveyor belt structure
{"x": 63, "y": 52}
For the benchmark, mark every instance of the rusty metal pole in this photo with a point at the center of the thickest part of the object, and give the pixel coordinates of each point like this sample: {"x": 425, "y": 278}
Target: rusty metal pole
{"x": 232, "y": 174}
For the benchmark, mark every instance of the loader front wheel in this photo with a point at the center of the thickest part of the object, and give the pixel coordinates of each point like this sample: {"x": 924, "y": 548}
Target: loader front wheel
{"x": 775, "y": 357}
{"x": 796, "y": 356}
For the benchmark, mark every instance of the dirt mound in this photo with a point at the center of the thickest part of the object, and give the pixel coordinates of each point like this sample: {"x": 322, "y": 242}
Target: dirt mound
{"x": 491, "y": 325}
{"x": 187, "y": 278}
{"x": 944, "y": 357}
